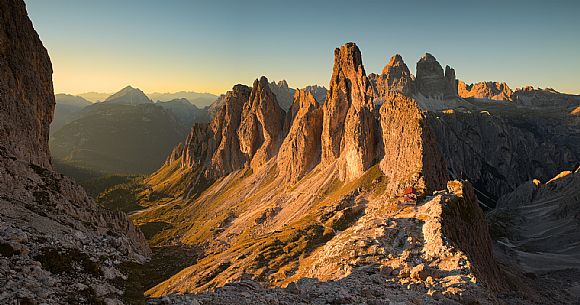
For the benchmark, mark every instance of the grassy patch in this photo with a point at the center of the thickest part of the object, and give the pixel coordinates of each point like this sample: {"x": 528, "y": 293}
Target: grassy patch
{"x": 151, "y": 229}
{"x": 122, "y": 197}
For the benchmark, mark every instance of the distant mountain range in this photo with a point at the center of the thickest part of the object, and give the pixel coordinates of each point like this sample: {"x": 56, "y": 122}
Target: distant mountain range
{"x": 66, "y": 108}
{"x": 199, "y": 99}
{"x": 127, "y": 133}
{"x": 95, "y": 96}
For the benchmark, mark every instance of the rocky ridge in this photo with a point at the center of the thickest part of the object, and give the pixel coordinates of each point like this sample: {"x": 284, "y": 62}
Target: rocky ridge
{"x": 382, "y": 255}
{"x": 284, "y": 94}
{"x": 485, "y": 90}
{"x": 537, "y": 97}
{"x": 360, "y": 161}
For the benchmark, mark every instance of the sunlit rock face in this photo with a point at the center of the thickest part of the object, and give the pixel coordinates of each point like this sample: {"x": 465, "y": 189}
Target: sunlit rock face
{"x": 261, "y": 124}
{"x": 411, "y": 155}
{"x": 300, "y": 151}
{"x": 395, "y": 77}
{"x": 246, "y": 131}
{"x": 348, "y": 131}
{"x": 228, "y": 155}
{"x": 485, "y": 90}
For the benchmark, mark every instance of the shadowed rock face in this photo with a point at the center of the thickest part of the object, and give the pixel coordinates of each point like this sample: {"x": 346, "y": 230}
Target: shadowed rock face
{"x": 497, "y": 154}
{"x": 26, "y": 87}
{"x": 319, "y": 93}
{"x": 300, "y": 151}
{"x": 537, "y": 229}
{"x": 451, "y": 82}
{"x": 58, "y": 245}
{"x": 284, "y": 94}
{"x": 348, "y": 122}
{"x": 431, "y": 81}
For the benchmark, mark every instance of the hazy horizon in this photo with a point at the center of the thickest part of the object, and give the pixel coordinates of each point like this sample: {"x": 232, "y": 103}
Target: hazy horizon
{"x": 205, "y": 46}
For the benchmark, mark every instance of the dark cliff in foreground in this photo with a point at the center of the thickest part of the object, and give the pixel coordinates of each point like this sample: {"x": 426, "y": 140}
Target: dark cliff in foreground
{"x": 57, "y": 245}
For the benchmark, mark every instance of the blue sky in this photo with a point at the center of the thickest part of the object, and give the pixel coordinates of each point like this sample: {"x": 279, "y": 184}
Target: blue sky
{"x": 212, "y": 45}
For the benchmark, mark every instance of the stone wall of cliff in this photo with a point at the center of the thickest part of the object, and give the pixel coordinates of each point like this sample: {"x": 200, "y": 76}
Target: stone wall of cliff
{"x": 25, "y": 87}
{"x": 58, "y": 245}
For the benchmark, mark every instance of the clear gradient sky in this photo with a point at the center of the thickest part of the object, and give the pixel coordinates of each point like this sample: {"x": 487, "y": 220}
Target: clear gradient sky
{"x": 208, "y": 46}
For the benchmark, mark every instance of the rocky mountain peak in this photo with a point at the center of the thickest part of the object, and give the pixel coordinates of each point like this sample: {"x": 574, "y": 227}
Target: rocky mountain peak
{"x": 261, "y": 124}
{"x": 284, "y": 94}
{"x": 451, "y": 82}
{"x": 348, "y": 60}
{"x": 348, "y": 122}
{"x": 247, "y": 127}
{"x": 283, "y": 84}
{"x": 431, "y": 81}
{"x": 395, "y": 77}
{"x": 300, "y": 151}
{"x": 395, "y": 62}
{"x": 129, "y": 96}
{"x": 318, "y": 92}
{"x": 427, "y": 57}
{"x": 228, "y": 156}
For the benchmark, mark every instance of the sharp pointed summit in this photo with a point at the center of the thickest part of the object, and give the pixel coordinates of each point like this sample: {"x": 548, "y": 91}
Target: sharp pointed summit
{"x": 129, "y": 96}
